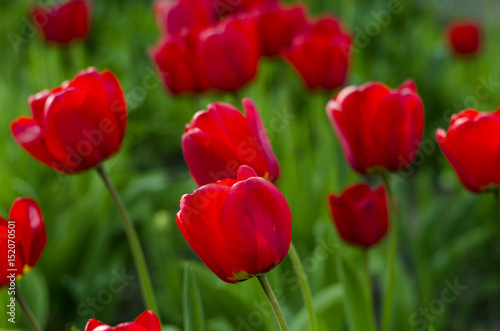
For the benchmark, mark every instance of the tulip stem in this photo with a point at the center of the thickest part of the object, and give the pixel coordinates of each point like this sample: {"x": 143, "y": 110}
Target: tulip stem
{"x": 366, "y": 267}
{"x": 497, "y": 198}
{"x": 304, "y": 286}
{"x": 133, "y": 240}
{"x": 393, "y": 243}
{"x": 27, "y": 311}
{"x": 264, "y": 282}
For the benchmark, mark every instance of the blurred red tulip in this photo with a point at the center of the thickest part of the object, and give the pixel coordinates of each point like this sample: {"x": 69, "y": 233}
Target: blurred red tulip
{"x": 230, "y": 53}
{"x": 177, "y": 61}
{"x": 277, "y": 25}
{"x": 147, "y": 321}
{"x": 22, "y": 239}
{"x": 77, "y": 125}
{"x": 65, "y": 22}
{"x": 464, "y": 37}
{"x": 172, "y": 16}
{"x": 228, "y": 7}
{"x": 219, "y": 140}
{"x": 239, "y": 228}
{"x": 320, "y": 53}
{"x": 472, "y": 147}
{"x": 379, "y": 129}
{"x": 360, "y": 214}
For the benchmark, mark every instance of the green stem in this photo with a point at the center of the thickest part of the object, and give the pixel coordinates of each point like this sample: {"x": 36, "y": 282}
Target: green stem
{"x": 393, "y": 243}
{"x": 27, "y": 311}
{"x": 497, "y": 198}
{"x": 304, "y": 286}
{"x": 366, "y": 267}
{"x": 264, "y": 282}
{"x": 133, "y": 240}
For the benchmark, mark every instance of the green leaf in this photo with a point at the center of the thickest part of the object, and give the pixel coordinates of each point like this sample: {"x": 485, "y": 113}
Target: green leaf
{"x": 356, "y": 299}
{"x": 323, "y": 301}
{"x": 194, "y": 319}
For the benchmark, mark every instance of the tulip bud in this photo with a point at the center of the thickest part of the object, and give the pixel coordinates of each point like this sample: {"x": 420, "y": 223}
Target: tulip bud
{"x": 464, "y": 37}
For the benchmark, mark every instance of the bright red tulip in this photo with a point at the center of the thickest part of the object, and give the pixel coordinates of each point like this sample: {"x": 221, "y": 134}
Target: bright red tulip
{"x": 379, "y": 129}
{"x": 147, "y": 321}
{"x": 77, "y": 125}
{"x": 172, "y": 16}
{"x": 176, "y": 58}
{"x": 65, "y": 22}
{"x": 320, "y": 53}
{"x": 464, "y": 37}
{"x": 360, "y": 214}
{"x": 22, "y": 239}
{"x": 239, "y": 228}
{"x": 230, "y": 53}
{"x": 472, "y": 147}
{"x": 277, "y": 25}
{"x": 219, "y": 140}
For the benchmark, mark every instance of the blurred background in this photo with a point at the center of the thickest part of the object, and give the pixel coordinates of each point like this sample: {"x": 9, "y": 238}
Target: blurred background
{"x": 448, "y": 236}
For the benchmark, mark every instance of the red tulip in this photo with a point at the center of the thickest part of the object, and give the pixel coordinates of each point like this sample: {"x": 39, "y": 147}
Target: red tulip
{"x": 230, "y": 53}
{"x": 227, "y": 7}
{"x": 219, "y": 140}
{"x": 65, "y": 22}
{"x": 360, "y": 214}
{"x": 277, "y": 25}
{"x": 176, "y": 58}
{"x": 320, "y": 54}
{"x": 77, "y": 125}
{"x": 22, "y": 239}
{"x": 147, "y": 321}
{"x": 464, "y": 37}
{"x": 239, "y": 228}
{"x": 379, "y": 129}
{"x": 172, "y": 16}
{"x": 472, "y": 147}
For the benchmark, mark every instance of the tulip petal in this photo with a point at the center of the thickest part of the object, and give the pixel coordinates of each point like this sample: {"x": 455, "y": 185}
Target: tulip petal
{"x": 245, "y": 172}
{"x": 199, "y": 222}
{"x": 90, "y": 81}
{"x": 116, "y": 99}
{"x": 149, "y": 321}
{"x": 257, "y": 129}
{"x": 256, "y": 222}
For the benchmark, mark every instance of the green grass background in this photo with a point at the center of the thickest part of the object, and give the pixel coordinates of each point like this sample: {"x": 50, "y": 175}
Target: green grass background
{"x": 446, "y": 232}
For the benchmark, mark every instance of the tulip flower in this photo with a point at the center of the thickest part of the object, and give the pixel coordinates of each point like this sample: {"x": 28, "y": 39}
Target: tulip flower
{"x": 464, "y": 37}
{"x": 230, "y": 53}
{"x": 472, "y": 147}
{"x": 277, "y": 25}
{"x": 172, "y": 16}
{"x": 360, "y": 214}
{"x": 147, "y": 321}
{"x": 177, "y": 61}
{"x": 239, "y": 228}
{"x": 219, "y": 140}
{"x": 379, "y": 129}
{"x": 22, "y": 240}
{"x": 320, "y": 53}
{"x": 76, "y": 126}
{"x": 64, "y": 22}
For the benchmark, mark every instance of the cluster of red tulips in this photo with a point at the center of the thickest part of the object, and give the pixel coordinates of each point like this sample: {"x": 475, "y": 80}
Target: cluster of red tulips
{"x": 237, "y": 221}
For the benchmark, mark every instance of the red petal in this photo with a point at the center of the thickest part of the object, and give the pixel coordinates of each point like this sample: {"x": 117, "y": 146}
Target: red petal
{"x": 92, "y": 324}
{"x": 116, "y": 99}
{"x": 245, "y": 172}
{"x": 257, "y": 224}
{"x": 149, "y": 321}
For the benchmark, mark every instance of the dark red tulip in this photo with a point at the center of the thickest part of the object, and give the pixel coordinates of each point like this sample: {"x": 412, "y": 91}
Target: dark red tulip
{"x": 472, "y": 147}
{"x": 147, "y": 321}
{"x": 22, "y": 239}
{"x": 77, "y": 125}
{"x": 320, "y": 53}
{"x": 64, "y": 22}
{"x": 172, "y": 16}
{"x": 464, "y": 37}
{"x": 219, "y": 140}
{"x": 230, "y": 53}
{"x": 379, "y": 129}
{"x": 277, "y": 25}
{"x": 360, "y": 214}
{"x": 239, "y": 228}
{"x": 177, "y": 61}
